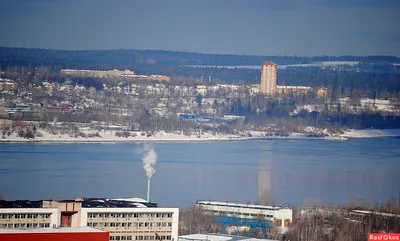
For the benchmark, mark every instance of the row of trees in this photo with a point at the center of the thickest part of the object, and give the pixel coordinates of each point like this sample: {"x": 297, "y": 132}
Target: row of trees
{"x": 102, "y": 59}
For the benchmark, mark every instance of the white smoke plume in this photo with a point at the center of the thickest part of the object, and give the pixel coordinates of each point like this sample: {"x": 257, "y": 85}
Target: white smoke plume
{"x": 149, "y": 159}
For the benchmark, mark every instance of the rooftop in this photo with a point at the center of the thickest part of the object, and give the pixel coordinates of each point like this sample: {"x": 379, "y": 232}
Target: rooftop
{"x": 218, "y": 237}
{"x": 239, "y": 205}
{"x": 86, "y": 203}
{"x": 51, "y": 230}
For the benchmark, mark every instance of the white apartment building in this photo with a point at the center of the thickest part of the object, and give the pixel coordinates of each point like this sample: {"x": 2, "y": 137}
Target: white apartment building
{"x": 124, "y": 219}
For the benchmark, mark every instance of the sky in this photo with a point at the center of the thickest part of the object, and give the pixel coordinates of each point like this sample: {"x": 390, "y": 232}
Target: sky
{"x": 260, "y": 27}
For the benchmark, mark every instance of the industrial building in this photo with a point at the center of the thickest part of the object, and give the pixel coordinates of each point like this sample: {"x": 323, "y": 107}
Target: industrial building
{"x": 51, "y": 234}
{"x": 217, "y": 237}
{"x": 280, "y": 216}
{"x": 125, "y": 219}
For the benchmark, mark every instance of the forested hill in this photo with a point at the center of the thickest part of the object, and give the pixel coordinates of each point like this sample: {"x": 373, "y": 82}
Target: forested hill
{"x": 132, "y": 59}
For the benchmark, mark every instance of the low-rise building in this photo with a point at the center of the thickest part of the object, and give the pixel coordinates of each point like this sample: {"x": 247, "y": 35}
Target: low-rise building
{"x": 125, "y": 219}
{"x": 7, "y": 84}
{"x": 286, "y": 89}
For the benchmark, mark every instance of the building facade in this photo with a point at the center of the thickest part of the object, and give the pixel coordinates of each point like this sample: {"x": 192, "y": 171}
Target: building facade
{"x": 268, "y": 78}
{"x": 133, "y": 219}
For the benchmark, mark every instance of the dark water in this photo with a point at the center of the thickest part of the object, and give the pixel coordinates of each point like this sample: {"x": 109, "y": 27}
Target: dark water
{"x": 292, "y": 171}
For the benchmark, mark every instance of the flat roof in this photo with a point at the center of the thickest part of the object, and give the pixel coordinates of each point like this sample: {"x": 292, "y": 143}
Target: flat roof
{"x": 239, "y": 205}
{"x": 219, "y": 237}
{"x": 86, "y": 203}
{"x": 51, "y": 230}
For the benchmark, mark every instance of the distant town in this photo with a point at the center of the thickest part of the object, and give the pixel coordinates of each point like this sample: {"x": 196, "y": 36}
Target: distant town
{"x": 81, "y": 103}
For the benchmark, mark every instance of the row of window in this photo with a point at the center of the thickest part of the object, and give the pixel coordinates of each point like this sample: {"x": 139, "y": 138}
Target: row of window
{"x": 140, "y": 238}
{"x": 140, "y": 224}
{"x": 129, "y": 215}
{"x": 24, "y": 215}
{"x": 25, "y": 225}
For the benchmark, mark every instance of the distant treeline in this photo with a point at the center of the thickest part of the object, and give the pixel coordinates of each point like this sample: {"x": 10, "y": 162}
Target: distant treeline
{"x": 131, "y": 59}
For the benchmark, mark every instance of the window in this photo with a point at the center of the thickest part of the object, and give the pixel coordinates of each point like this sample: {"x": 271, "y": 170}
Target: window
{"x": 112, "y": 224}
{"x": 169, "y": 224}
{"x": 168, "y": 238}
{"x": 46, "y": 225}
{"x": 169, "y": 215}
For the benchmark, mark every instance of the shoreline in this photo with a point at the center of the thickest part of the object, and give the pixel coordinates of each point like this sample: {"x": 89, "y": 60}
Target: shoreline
{"x": 162, "y": 137}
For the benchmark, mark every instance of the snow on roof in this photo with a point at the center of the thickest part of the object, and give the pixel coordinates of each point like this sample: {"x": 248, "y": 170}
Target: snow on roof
{"x": 140, "y": 205}
{"x": 51, "y": 230}
{"x": 133, "y": 199}
{"x": 218, "y": 237}
{"x": 238, "y": 205}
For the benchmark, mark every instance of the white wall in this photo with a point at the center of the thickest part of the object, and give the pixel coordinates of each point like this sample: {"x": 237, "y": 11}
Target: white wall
{"x": 174, "y": 211}
{"x": 54, "y": 217}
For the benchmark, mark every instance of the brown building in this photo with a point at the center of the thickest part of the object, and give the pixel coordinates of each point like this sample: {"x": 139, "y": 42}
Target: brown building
{"x": 268, "y": 78}
{"x": 159, "y": 78}
{"x": 322, "y": 92}
{"x": 6, "y": 85}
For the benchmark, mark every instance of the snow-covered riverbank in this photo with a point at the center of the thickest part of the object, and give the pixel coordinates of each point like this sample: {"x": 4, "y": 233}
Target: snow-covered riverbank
{"x": 371, "y": 133}
{"x": 110, "y": 136}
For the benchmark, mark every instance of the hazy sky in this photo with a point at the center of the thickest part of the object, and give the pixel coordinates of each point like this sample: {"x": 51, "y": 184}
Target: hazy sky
{"x": 265, "y": 27}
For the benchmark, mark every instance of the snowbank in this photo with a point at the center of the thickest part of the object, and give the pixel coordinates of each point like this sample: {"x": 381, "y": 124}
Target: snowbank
{"x": 371, "y": 133}
{"x": 162, "y": 136}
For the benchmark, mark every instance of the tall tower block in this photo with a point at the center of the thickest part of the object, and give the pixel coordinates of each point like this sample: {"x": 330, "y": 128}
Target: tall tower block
{"x": 268, "y": 78}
